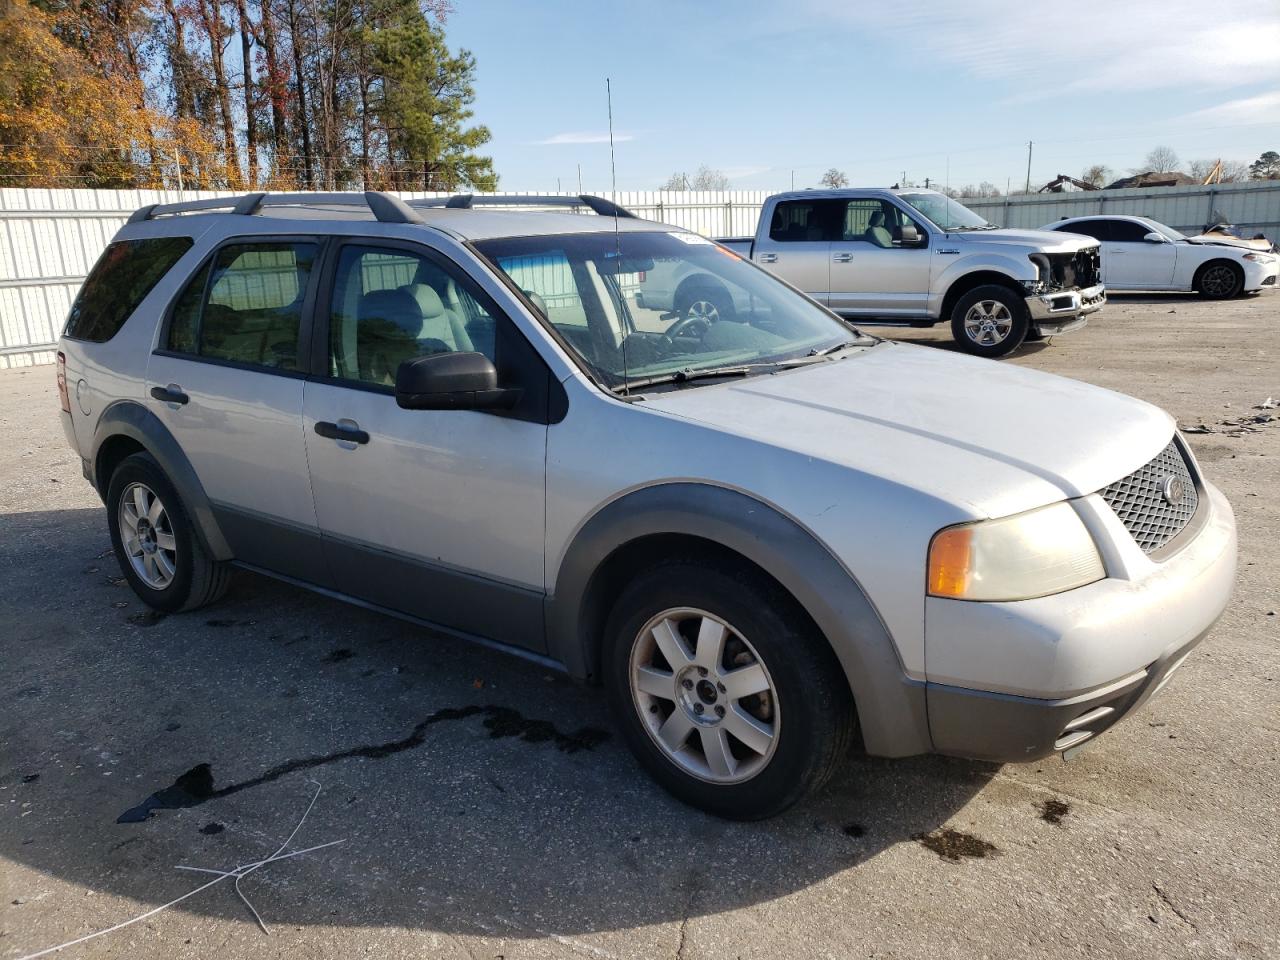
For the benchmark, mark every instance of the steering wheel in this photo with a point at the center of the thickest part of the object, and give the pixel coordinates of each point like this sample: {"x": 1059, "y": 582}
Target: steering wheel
{"x": 692, "y": 324}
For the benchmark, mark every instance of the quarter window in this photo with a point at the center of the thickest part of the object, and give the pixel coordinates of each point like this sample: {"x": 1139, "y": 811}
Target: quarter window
{"x": 391, "y": 305}
{"x": 245, "y": 306}
{"x": 122, "y": 277}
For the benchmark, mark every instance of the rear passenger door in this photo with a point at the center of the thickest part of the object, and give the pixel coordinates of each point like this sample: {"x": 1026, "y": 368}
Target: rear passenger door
{"x": 434, "y": 513}
{"x": 227, "y": 380}
{"x": 798, "y": 246}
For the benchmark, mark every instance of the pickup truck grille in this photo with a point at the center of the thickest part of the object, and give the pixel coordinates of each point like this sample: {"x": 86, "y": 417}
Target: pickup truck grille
{"x": 1157, "y": 500}
{"x": 1080, "y": 269}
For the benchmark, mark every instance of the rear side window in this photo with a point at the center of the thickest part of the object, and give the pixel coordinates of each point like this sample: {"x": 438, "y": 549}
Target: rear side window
{"x": 245, "y": 306}
{"x": 797, "y": 221}
{"x": 122, "y": 277}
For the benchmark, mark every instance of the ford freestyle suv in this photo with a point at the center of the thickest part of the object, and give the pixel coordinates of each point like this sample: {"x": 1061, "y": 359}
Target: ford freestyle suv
{"x": 767, "y": 536}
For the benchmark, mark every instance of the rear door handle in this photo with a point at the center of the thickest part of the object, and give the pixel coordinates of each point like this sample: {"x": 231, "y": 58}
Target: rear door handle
{"x": 842, "y": 258}
{"x": 170, "y": 394}
{"x": 334, "y": 431}
{"x": 768, "y": 258}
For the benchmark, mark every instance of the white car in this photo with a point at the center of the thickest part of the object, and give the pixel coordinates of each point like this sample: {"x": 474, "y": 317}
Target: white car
{"x": 1141, "y": 254}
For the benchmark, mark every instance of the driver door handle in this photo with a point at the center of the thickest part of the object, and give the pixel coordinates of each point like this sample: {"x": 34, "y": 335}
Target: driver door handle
{"x": 768, "y": 258}
{"x": 333, "y": 431}
{"x": 842, "y": 258}
{"x": 170, "y": 394}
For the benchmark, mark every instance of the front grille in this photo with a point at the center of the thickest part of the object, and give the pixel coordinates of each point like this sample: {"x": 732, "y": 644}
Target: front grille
{"x": 1140, "y": 502}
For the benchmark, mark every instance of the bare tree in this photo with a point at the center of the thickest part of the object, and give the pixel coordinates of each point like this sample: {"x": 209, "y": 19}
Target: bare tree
{"x": 677, "y": 181}
{"x": 835, "y": 179}
{"x": 1162, "y": 160}
{"x": 708, "y": 179}
{"x": 1098, "y": 174}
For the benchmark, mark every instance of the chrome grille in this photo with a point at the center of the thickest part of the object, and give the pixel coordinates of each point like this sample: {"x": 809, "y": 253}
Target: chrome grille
{"x": 1139, "y": 499}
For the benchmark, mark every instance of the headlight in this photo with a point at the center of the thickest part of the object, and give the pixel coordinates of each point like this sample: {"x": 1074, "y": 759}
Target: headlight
{"x": 1028, "y": 555}
{"x": 1259, "y": 257}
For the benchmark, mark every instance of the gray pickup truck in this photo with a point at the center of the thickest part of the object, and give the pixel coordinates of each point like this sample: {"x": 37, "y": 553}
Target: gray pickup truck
{"x": 907, "y": 257}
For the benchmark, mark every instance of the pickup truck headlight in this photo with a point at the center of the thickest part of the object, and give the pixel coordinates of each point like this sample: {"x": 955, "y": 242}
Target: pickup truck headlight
{"x": 1028, "y": 555}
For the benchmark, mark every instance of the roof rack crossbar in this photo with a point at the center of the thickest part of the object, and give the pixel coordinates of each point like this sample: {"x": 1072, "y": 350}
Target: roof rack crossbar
{"x": 466, "y": 201}
{"x": 385, "y": 208}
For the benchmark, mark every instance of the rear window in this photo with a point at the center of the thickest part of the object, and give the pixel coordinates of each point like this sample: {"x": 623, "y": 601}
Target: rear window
{"x": 122, "y": 277}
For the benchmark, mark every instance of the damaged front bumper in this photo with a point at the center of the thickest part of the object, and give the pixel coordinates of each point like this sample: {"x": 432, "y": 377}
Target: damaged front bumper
{"x": 1065, "y": 310}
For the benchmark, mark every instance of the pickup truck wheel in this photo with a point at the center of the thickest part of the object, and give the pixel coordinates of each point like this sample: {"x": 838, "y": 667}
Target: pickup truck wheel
{"x": 990, "y": 321}
{"x": 1219, "y": 280}
{"x": 154, "y": 542}
{"x": 724, "y": 690}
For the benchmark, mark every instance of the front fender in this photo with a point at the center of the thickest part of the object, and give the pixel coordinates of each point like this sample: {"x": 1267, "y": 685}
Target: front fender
{"x": 128, "y": 418}
{"x": 891, "y": 706}
{"x": 951, "y": 271}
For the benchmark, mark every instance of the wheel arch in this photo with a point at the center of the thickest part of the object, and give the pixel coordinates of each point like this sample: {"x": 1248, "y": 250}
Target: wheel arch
{"x": 127, "y": 427}
{"x": 970, "y": 281}
{"x": 1216, "y": 261}
{"x": 718, "y": 522}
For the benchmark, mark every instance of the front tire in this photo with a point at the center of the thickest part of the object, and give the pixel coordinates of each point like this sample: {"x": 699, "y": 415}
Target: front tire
{"x": 155, "y": 544}
{"x": 990, "y": 321}
{"x": 724, "y": 689}
{"x": 1220, "y": 280}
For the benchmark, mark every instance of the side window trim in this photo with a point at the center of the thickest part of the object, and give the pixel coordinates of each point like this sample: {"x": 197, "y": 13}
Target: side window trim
{"x": 306, "y": 352}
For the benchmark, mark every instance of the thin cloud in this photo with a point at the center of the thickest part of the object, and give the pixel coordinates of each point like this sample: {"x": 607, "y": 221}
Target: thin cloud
{"x": 561, "y": 139}
{"x": 1260, "y": 109}
{"x": 1137, "y": 45}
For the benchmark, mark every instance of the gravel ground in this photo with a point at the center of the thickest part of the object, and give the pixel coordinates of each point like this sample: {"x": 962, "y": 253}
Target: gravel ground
{"x": 526, "y": 830}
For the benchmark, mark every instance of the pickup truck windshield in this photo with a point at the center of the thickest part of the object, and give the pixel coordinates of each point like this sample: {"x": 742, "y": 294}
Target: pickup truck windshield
{"x": 642, "y": 307}
{"x": 945, "y": 213}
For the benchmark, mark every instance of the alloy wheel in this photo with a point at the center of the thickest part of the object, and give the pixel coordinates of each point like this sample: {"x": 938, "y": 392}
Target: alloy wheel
{"x": 147, "y": 535}
{"x": 988, "y": 322}
{"x": 702, "y": 310}
{"x": 1218, "y": 281}
{"x": 704, "y": 695}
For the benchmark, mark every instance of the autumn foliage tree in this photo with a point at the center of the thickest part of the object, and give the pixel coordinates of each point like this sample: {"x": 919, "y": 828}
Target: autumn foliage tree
{"x": 280, "y": 94}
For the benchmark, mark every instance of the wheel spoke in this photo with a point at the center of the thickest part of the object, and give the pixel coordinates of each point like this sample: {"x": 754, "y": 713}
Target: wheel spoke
{"x": 710, "y": 652}
{"x": 745, "y": 681}
{"x": 671, "y": 645}
{"x": 165, "y": 541}
{"x": 715, "y": 745}
{"x": 129, "y": 518}
{"x": 156, "y": 511}
{"x": 149, "y": 565}
{"x": 140, "y": 504}
{"x": 165, "y": 565}
{"x": 675, "y": 732}
{"x": 753, "y": 733}
{"x": 656, "y": 683}
{"x": 133, "y": 547}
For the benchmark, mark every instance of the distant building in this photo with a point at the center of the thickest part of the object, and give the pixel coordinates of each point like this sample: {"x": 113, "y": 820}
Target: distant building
{"x": 1153, "y": 179}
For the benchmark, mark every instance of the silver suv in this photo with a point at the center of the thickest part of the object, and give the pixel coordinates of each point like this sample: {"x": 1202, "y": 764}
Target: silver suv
{"x": 767, "y": 536}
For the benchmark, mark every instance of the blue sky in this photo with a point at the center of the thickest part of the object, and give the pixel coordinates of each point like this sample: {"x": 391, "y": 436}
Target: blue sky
{"x": 948, "y": 90}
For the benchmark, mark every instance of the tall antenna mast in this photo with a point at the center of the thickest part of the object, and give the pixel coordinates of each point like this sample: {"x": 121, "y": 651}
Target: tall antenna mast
{"x": 617, "y": 237}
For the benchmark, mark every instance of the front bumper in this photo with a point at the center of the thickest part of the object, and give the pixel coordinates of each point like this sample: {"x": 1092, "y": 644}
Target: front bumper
{"x": 1259, "y": 275}
{"x": 1018, "y": 681}
{"x": 1060, "y": 312}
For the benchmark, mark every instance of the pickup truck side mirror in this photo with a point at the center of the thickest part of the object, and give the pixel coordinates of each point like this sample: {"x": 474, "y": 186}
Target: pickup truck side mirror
{"x": 451, "y": 381}
{"x": 909, "y": 236}
{"x": 1154, "y": 237}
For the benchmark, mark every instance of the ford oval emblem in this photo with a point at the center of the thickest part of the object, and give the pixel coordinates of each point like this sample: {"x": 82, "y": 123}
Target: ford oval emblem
{"x": 1172, "y": 490}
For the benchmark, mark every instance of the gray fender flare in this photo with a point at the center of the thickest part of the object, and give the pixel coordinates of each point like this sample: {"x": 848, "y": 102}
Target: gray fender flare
{"x": 128, "y": 418}
{"x": 891, "y": 706}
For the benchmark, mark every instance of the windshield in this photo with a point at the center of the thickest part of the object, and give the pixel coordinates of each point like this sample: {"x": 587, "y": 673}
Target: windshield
{"x": 642, "y": 306}
{"x": 1168, "y": 232}
{"x": 945, "y": 213}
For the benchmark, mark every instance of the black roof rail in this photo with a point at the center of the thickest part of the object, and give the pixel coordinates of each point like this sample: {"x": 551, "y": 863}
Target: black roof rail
{"x": 466, "y": 201}
{"x": 386, "y": 208}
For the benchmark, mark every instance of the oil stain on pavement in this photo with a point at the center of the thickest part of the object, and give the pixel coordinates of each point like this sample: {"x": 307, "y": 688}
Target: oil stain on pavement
{"x": 196, "y": 785}
{"x": 954, "y": 846}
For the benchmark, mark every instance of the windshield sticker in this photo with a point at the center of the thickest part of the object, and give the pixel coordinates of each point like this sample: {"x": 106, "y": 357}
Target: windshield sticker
{"x": 690, "y": 238}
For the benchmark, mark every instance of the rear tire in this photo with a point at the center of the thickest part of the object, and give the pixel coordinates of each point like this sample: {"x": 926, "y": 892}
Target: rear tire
{"x": 990, "y": 321}
{"x": 1220, "y": 280}
{"x": 155, "y": 544}
{"x": 724, "y": 689}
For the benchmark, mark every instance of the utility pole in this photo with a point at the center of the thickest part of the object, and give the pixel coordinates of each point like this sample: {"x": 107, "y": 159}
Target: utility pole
{"x": 1029, "y": 143}
{"x": 793, "y": 179}
{"x": 579, "y": 178}
{"x": 926, "y": 183}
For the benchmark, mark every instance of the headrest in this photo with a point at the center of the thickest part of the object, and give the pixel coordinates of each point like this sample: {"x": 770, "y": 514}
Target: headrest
{"x": 392, "y": 311}
{"x": 428, "y": 300}
{"x": 877, "y": 219}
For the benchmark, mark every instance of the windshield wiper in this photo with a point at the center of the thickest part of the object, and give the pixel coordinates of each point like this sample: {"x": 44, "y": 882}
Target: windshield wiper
{"x": 861, "y": 341}
{"x": 715, "y": 373}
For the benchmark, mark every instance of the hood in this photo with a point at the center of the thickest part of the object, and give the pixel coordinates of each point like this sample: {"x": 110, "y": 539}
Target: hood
{"x": 991, "y": 438}
{"x": 1260, "y": 244}
{"x": 1046, "y": 241}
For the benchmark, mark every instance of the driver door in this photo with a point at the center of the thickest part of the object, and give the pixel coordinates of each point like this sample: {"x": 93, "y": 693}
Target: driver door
{"x": 1135, "y": 263}
{"x": 434, "y": 513}
{"x": 872, "y": 272}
